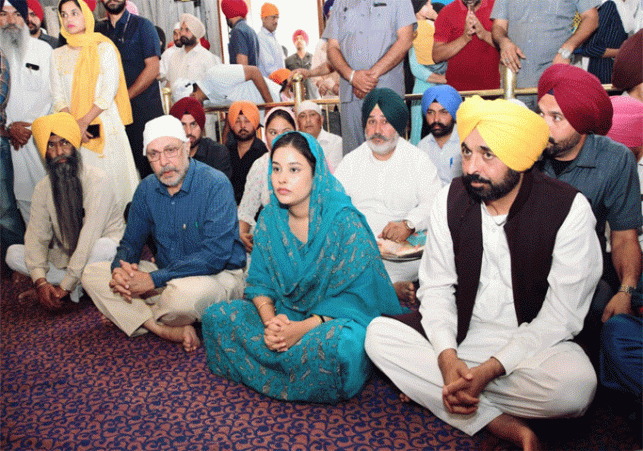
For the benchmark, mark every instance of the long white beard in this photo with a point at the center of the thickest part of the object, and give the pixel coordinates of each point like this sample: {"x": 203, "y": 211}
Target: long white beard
{"x": 384, "y": 148}
{"x": 14, "y": 41}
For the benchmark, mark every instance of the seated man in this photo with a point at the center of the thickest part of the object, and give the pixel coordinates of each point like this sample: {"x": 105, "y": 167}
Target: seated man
{"x": 390, "y": 181}
{"x": 310, "y": 120}
{"x": 192, "y": 115}
{"x": 442, "y": 144}
{"x": 74, "y": 207}
{"x": 510, "y": 266}
{"x": 578, "y": 110}
{"x": 188, "y": 209}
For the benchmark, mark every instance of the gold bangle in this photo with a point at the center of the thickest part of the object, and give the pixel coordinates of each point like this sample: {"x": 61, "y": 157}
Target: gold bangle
{"x": 264, "y": 303}
{"x": 44, "y": 282}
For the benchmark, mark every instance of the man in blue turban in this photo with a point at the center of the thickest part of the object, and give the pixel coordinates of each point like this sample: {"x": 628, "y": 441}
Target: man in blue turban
{"x": 442, "y": 144}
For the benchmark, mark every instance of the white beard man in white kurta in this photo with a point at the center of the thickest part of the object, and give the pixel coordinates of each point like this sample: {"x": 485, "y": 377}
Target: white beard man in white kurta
{"x": 29, "y": 99}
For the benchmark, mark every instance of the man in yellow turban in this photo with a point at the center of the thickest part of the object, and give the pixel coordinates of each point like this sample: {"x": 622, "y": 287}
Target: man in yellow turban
{"x": 74, "y": 206}
{"x": 506, "y": 279}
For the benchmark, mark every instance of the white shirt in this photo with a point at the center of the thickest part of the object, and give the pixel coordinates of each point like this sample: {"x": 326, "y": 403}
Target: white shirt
{"x": 402, "y": 187}
{"x": 165, "y": 60}
{"x": 494, "y": 331}
{"x": 448, "y": 159}
{"x": 190, "y": 65}
{"x": 29, "y": 98}
{"x": 226, "y": 83}
{"x": 332, "y": 146}
{"x": 271, "y": 55}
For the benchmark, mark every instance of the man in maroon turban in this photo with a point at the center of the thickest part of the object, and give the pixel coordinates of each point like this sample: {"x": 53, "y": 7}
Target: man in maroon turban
{"x": 628, "y": 66}
{"x": 578, "y": 110}
{"x": 192, "y": 116}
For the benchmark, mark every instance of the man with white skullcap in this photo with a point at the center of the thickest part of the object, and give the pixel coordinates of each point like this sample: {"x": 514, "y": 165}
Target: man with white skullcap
{"x": 507, "y": 277}
{"x": 192, "y": 61}
{"x": 310, "y": 120}
{"x": 188, "y": 209}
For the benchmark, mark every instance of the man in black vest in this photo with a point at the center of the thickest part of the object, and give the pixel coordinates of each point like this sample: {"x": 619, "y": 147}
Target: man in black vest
{"x": 509, "y": 269}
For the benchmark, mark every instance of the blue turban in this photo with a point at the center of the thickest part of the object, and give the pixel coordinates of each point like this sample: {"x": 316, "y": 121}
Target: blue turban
{"x": 20, "y": 5}
{"x": 445, "y": 95}
{"x": 328, "y": 4}
{"x": 392, "y": 106}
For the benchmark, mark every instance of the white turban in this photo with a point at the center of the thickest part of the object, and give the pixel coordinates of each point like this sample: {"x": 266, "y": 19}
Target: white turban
{"x": 177, "y": 26}
{"x": 161, "y": 127}
{"x": 309, "y": 105}
{"x": 194, "y": 24}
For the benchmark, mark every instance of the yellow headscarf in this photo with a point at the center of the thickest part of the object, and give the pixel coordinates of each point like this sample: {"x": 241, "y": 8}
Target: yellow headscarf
{"x": 60, "y": 124}
{"x": 514, "y": 133}
{"x": 423, "y": 42}
{"x": 86, "y": 75}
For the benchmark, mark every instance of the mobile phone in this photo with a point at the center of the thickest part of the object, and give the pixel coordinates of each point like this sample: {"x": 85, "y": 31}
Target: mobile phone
{"x": 94, "y": 130}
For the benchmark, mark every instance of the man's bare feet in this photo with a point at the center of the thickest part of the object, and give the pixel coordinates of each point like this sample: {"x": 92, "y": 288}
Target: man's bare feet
{"x": 186, "y": 335}
{"x": 514, "y": 430}
{"x": 405, "y": 291}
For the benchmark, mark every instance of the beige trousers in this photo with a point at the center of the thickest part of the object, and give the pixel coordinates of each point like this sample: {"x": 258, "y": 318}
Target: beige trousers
{"x": 181, "y": 302}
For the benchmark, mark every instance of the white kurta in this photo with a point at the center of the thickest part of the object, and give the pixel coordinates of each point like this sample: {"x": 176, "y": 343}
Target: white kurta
{"x": 447, "y": 159}
{"x": 332, "y": 146}
{"x": 226, "y": 83}
{"x": 29, "y": 99}
{"x": 116, "y": 159}
{"x": 190, "y": 65}
{"x": 546, "y": 374}
{"x": 166, "y": 57}
{"x": 402, "y": 187}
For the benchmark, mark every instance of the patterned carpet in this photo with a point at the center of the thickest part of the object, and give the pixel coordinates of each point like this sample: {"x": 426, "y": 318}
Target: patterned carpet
{"x": 72, "y": 382}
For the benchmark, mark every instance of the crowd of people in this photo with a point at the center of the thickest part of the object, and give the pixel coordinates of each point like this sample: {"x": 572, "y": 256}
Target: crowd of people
{"x": 275, "y": 236}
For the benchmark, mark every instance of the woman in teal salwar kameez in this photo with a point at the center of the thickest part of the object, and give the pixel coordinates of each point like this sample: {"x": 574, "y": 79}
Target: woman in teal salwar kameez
{"x": 315, "y": 281}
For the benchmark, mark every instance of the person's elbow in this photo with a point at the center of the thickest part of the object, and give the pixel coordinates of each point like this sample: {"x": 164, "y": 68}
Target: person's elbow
{"x": 437, "y": 53}
{"x": 589, "y": 19}
{"x": 153, "y": 65}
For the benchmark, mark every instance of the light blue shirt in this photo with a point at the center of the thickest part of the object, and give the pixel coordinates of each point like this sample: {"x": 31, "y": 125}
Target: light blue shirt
{"x": 448, "y": 159}
{"x": 271, "y": 55}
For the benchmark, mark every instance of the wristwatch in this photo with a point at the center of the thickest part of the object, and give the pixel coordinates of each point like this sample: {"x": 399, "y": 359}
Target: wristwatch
{"x": 565, "y": 53}
{"x": 409, "y": 225}
{"x": 626, "y": 289}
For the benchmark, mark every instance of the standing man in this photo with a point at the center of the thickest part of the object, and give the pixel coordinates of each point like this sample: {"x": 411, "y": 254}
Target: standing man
{"x": 442, "y": 144}
{"x": 140, "y": 49}
{"x": 188, "y": 209}
{"x": 310, "y": 120}
{"x": 243, "y": 47}
{"x": 510, "y": 266}
{"x": 271, "y": 56}
{"x": 166, "y": 56}
{"x": 75, "y": 217}
{"x": 246, "y": 147}
{"x": 534, "y": 35}
{"x": 192, "y": 60}
{"x": 578, "y": 110}
{"x": 192, "y": 116}
{"x": 34, "y": 20}
{"x": 390, "y": 181}
{"x": 367, "y": 42}
{"x": 463, "y": 38}
{"x": 29, "y": 61}
{"x": 301, "y": 59}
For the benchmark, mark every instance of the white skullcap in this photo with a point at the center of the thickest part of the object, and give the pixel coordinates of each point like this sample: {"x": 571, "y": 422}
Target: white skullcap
{"x": 177, "y": 26}
{"x": 194, "y": 24}
{"x": 182, "y": 87}
{"x": 161, "y": 127}
{"x": 309, "y": 105}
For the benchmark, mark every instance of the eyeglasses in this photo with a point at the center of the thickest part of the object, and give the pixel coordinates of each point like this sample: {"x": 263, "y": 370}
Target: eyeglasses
{"x": 169, "y": 152}
{"x": 63, "y": 144}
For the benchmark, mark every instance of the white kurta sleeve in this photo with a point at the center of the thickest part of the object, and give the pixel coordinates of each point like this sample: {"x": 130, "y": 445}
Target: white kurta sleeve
{"x": 438, "y": 279}
{"x": 428, "y": 186}
{"x": 39, "y": 233}
{"x": 575, "y": 271}
{"x": 108, "y": 79}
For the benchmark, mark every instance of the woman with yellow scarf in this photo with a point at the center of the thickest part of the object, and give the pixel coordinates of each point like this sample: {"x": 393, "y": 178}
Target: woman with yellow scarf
{"x": 87, "y": 81}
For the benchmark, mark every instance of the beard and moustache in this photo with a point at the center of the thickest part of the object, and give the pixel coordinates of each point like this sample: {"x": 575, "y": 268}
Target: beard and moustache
{"x": 114, "y": 9}
{"x": 188, "y": 41}
{"x": 68, "y": 197}
{"x": 14, "y": 41}
{"x": 561, "y": 148}
{"x": 386, "y": 147}
{"x": 439, "y": 129}
{"x": 492, "y": 191}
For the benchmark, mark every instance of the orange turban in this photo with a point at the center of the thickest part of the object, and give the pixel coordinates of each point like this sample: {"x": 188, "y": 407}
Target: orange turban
{"x": 280, "y": 75}
{"x": 268, "y": 9}
{"x": 248, "y": 109}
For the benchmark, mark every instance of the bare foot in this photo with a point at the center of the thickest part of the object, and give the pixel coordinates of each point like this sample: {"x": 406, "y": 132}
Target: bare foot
{"x": 186, "y": 335}
{"x": 514, "y": 430}
{"x": 405, "y": 291}
{"x": 404, "y": 398}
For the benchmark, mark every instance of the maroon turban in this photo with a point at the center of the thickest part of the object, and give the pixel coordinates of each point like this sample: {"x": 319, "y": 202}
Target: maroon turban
{"x": 628, "y": 65}
{"x": 581, "y": 98}
{"x": 234, "y": 8}
{"x": 189, "y": 105}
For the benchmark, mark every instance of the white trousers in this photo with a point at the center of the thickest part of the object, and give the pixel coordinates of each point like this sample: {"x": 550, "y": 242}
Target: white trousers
{"x": 181, "y": 302}
{"x": 104, "y": 250}
{"x": 557, "y": 383}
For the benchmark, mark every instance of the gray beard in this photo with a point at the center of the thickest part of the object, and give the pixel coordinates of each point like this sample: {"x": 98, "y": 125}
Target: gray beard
{"x": 14, "y": 42}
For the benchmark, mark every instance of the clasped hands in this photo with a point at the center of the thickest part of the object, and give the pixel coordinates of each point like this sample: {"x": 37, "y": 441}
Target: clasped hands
{"x": 463, "y": 385}
{"x": 395, "y": 231}
{"x": 473, "y": 26}
{"x": 280, "y": 334}
{"x": 129, "y": 282}
{"x": 50, "y": 296}
{"x": 364, "y": 81}
{"x": 19, "y": 134}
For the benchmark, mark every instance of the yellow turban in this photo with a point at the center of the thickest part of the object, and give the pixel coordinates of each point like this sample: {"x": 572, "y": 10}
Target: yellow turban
{"x": 60, "y": 124}
{"x": 514, "y": 133}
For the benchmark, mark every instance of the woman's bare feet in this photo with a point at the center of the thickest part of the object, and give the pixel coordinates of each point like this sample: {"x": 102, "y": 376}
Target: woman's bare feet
{"x": 514, "y": 430}
{"x": 186, "y": 335}
{"x": 405, "y": 291}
